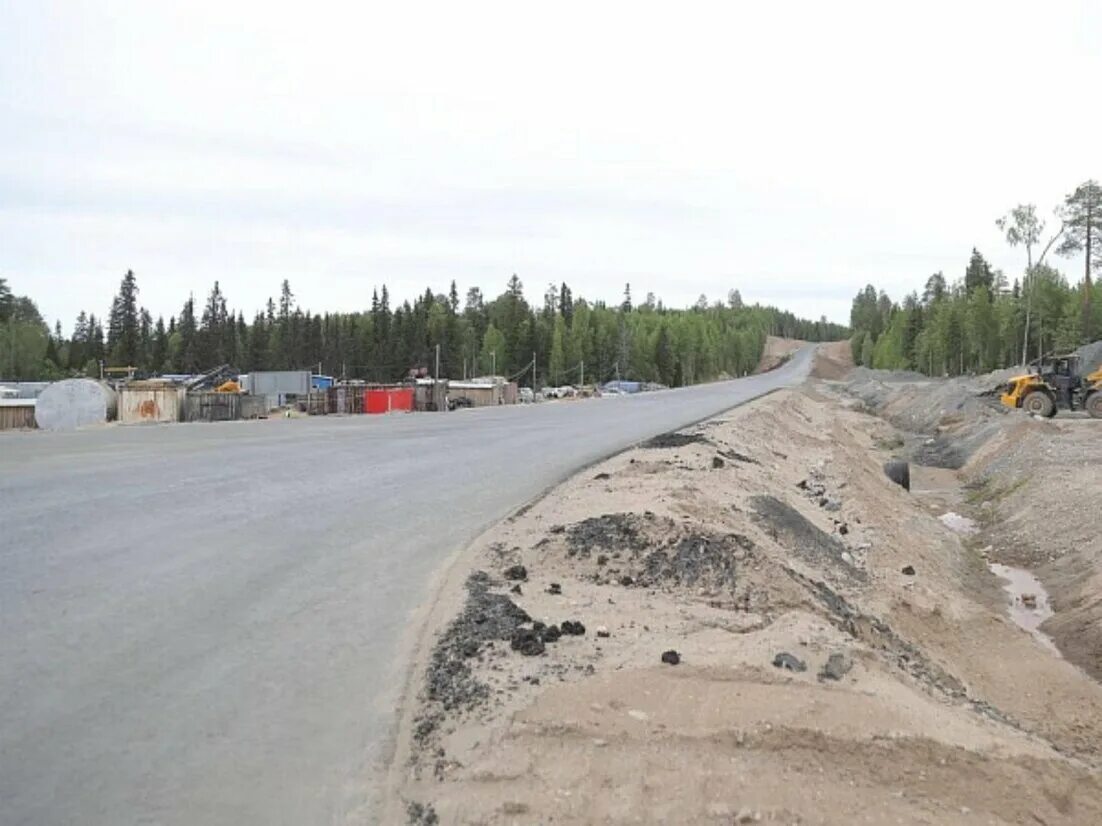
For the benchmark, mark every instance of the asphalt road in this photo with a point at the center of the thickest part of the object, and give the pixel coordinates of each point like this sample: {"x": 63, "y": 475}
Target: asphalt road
{"x": 201, "y": 624}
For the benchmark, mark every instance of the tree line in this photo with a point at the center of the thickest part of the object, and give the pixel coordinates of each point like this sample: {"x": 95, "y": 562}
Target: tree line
{"x": 982, "y": 321}
{"x": 566, "y": 340}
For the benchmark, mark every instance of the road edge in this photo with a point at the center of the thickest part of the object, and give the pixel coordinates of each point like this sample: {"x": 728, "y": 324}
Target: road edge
{"x": 444, "y": 600}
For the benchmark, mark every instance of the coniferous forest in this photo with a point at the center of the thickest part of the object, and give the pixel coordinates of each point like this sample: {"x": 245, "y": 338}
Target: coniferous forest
{"x": 985, "y": 319}
{"x": 571, "y": 339}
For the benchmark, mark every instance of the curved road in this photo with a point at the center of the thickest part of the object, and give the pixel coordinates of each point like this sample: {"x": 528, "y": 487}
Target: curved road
{"x": 200, "y": 623}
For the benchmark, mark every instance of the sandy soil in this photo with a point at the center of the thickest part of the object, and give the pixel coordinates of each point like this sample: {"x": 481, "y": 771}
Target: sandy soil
{"x": 833, "y": 361}
{"x": 776, "y": 352}
{"x": 1032, "y": 488}
{"x": 767, "y": 537}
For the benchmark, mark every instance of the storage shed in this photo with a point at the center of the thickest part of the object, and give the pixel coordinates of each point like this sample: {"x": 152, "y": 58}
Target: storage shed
{"x": 17, "y": 414}
{"x": 150, "y": 402}
{"x": 280, "y": 386}
{"x": 482, "y": 394}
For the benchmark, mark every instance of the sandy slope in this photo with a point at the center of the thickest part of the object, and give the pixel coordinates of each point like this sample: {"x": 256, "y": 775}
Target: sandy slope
{"x": 793, "y": 542}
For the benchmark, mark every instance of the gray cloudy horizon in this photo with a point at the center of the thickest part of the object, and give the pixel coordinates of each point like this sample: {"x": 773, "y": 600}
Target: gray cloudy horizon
{"x": 795, "y": 154}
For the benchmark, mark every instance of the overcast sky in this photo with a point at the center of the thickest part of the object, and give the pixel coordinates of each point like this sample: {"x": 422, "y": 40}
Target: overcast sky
{"x": 793, "y": 150}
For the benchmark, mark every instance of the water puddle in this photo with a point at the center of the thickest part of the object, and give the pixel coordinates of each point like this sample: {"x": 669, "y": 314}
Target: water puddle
{"x": 1029, "y": 605}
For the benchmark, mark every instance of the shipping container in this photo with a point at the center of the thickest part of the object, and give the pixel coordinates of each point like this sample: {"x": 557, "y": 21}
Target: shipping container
{"x": 388, "y": 399}
{"x": 280, "y": 386}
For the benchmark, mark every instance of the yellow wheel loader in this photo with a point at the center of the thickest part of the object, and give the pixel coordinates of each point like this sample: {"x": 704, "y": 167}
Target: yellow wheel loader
{"x": 1055, "y": 383}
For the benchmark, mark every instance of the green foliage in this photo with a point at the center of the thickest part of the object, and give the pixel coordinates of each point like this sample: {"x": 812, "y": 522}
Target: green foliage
{"x": 868, "y": 351}
{"x": 972, "y": 325}
{"x": 6, "y": 300}
{"x": 24, "y": 338}
{"x": 572, "y": 339}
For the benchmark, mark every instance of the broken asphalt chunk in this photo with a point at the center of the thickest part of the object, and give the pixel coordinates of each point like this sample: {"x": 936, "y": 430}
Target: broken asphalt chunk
{"x": 787, "y": 661}
{"x": 527, "y": 642}
{"x": 836, "y": 667}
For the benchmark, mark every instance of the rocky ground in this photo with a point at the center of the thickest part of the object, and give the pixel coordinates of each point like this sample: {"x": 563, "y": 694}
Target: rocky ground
{"x": 747, "y": 622}
{"x": 1029, "y": 484}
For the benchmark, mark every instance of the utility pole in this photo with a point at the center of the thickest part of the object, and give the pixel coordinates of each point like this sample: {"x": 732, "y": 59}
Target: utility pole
{"x": 438, "y": 362}
{"x": 533, "y": 373}
{"x": 581, "y": 377}
{"x": 493, "y": 361}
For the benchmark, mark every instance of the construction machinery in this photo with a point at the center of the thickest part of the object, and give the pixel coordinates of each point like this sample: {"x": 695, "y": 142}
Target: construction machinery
{"x": 1055, "y": 383}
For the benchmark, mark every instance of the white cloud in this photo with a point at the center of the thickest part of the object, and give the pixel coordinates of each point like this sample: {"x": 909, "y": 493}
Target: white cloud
{"x": 795, "y": 151}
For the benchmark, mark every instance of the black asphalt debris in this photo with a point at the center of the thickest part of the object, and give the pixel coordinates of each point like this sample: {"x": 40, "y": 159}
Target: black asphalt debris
{"x": 671, "y": 657}
{"x": 449, "y": 682}
{"x": 554, "y": 589}
{"x": 735, "y": 456}
{"x": 908, "y": 570}
{"x": 527, "y": 641}
{"x": 788, "y": 662}
{"x": 696, "y": 560}
{"x": 602, "y": 476}
{"x": 609, "y": 532}
{"x": 717, "y": 463}
{"x": 516, "y": 590}
{"x": 836, "y": 667}
{"x": 572, "y": 628}
{"x": 675, "y": 440}
{"x": 421, "y": 814}
{"x": 791, "y": 529}
{"x": 516, "y": 572}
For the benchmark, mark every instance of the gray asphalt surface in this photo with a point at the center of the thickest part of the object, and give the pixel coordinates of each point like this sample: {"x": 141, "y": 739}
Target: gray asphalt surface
{"x": 201, "y": 624}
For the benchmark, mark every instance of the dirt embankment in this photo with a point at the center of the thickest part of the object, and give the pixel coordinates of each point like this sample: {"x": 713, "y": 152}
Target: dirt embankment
{"x": 1029, "y": 484}
{"x": 776, "y": 352}
{"x": 743, "y": 622}
{"x": 833, "y": 361}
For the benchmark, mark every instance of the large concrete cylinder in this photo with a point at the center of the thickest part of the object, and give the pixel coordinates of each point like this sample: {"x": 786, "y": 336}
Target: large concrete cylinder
{"x": 73, "y": 403}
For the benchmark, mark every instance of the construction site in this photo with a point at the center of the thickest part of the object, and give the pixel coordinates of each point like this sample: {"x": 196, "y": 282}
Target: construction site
{"x": 226, "y": 394}
{"x": 868, "y": 597}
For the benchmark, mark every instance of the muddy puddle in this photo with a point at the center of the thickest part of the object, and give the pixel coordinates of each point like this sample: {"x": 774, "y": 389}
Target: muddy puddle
{"x": 1029, "y": 604}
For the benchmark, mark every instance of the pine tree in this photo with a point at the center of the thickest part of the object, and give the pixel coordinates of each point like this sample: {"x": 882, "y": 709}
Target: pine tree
{"x": 7, "y": 301}
{"x": 124, "y": 334}
{"x": 158, "y": 352}
{"x": 188, "y": 330}
{"x": 1082, "y": 215}
{"x": 978, "y": 274}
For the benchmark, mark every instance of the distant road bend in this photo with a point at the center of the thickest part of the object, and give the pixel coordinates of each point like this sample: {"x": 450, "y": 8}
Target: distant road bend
{"x": 202, "y": 623}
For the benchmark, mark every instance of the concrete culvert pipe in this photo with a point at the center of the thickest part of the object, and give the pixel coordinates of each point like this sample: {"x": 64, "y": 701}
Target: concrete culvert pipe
{"x": 899, "y": 472}
{"x": 73, "y": 403}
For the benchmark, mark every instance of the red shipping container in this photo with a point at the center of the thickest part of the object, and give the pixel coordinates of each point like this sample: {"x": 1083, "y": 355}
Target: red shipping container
{"x": 384, "y": 400}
